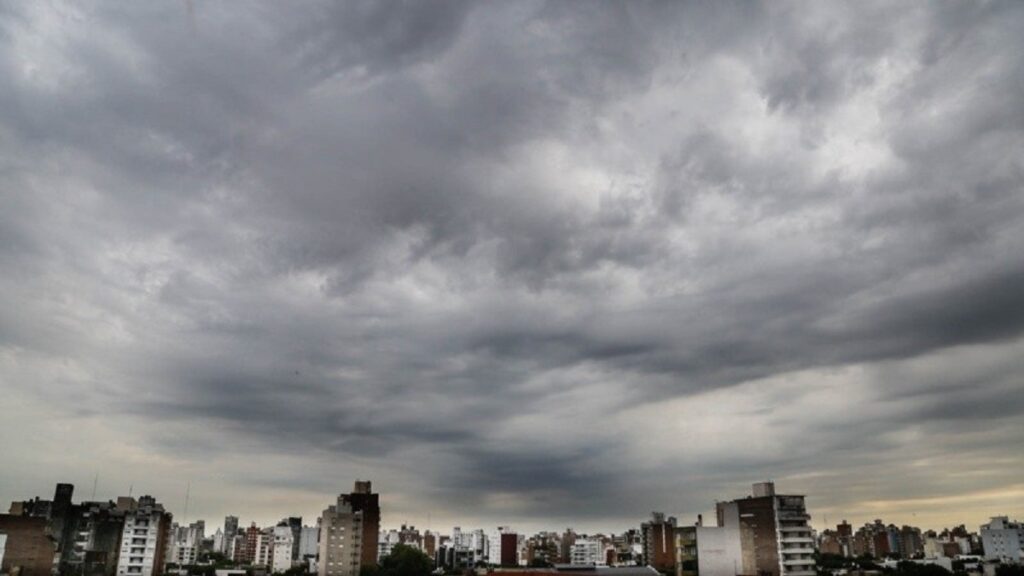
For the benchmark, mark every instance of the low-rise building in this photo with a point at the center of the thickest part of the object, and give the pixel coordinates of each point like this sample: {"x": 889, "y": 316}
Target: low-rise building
{"x": 588, "y": 551}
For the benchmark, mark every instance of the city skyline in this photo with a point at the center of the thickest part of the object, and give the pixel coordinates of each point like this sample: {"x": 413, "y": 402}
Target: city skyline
{"x": 532, "y": 263}
{"x": 817, "y": 521}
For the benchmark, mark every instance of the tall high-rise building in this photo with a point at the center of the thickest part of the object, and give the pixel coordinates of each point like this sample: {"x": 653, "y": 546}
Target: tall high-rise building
{"x": 503, "y": 547}
{"x": 429, "y": 543}
{"x": 658, "y": 536}
{"x": 246, "y": 554}
{"x": 362, "y": 499}
{"x": 309, "y": 542}
{"x": 264, "y": 548}
{"x": 284, "y": 545}
{"x": 775, "y": 538}
{"x": 341, "y": 540}
{"x": 565, "y": 545}
{"x": 1003, "y": 540}
{"x": 230, "y": 530}
{"x": 911, "y": 543}
{"x": 146, "y": 534}
{"x": 294, "y": 523}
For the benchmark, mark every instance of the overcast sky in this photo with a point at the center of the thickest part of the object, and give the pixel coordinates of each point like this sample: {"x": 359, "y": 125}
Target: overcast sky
{"x": 538, "y": 264}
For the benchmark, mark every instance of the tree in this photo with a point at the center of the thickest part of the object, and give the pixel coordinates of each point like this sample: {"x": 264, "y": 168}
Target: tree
{"x": 1010, "y": 570}
{"x": 297, "y": 570}
{"x": 907, "y": 568}
{"x": 406, "y": 561}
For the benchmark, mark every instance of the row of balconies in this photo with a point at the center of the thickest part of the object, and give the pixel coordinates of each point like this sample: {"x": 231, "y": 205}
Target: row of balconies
{"x": 797, "y": 550}
{"x": 794, "y": 528}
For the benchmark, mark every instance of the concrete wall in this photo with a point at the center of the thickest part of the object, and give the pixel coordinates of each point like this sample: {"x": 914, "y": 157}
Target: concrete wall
{"x": 718, "y": 551}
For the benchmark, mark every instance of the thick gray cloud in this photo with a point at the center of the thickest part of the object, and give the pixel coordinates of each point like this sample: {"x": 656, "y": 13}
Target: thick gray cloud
{"x": 535, "y": 263}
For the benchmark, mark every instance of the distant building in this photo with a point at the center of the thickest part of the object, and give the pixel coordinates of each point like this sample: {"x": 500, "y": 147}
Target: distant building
{"x": 503, "y": 547}
{"x": 429, "y": 543}
{"x": 576, "y": 570}
{"x": 309, "y": 542}
{"x": 186, "y": 542}
{"x": 146, "y": 534}
{"x": 452, "y": 557}
{"x": 237, "y": 548}
{"x": 775, "y": 538}
{"x": 658, "y": 536}
{"x": 544, "y": 548}
{"x": 386, "y": 543}
{"x": 588, "y": 551}
{"x": 264, "y": 548}
{"x": 1003, "y": 540}
{"x": 473, "y": 542}
{"x": 230, "y": 531}
{"x": 830, "y": 543}
{"x": 246, "y": 554}
{"x": 565, "y": 545}
{"x": 218, "y": 541}
{"x": 282, "y": 557}
{"x": 911, "y": 542}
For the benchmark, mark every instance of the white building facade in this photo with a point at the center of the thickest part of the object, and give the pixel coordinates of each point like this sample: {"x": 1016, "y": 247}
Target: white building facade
{"x": 309, "y": 542}
{"x": 1003, "y": 540}
{"x": 281, "y": 556}
{"x": 588, "y": 551}
{"x": 141, "y": 539}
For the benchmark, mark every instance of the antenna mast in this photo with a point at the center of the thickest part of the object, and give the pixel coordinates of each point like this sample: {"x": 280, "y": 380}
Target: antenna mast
{"x": 184, "y": 515}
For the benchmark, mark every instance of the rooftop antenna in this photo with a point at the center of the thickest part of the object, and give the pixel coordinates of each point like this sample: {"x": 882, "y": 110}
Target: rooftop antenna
{"x": 130, "y": 488}
{"x": 95, "y": 479}
{"x": 184, "y": 515}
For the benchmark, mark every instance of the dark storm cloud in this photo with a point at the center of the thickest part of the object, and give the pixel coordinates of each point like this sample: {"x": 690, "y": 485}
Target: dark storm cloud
{"x": 514, "y": 256}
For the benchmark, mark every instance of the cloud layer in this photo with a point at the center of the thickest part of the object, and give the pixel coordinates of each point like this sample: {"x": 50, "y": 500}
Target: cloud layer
{"x": 532, "y": 263}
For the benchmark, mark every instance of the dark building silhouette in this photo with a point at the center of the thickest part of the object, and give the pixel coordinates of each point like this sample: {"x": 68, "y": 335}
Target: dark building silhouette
{"x": 509, "y": 549}
{"x": 362, "y": 499}
{"x": 658, "y": 535}
{"x": 86, "y": 536}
